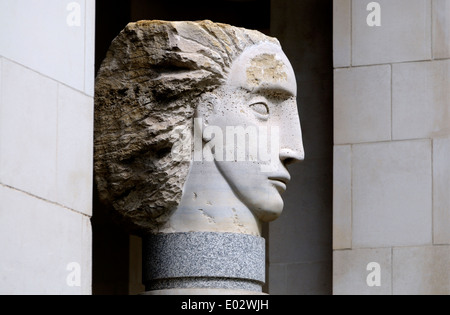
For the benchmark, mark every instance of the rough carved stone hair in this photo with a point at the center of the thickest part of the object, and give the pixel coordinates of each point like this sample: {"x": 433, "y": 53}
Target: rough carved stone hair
{"x": 153, "y": 76}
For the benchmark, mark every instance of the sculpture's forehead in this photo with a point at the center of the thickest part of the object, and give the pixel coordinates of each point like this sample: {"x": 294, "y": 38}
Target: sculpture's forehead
{"x": 264, "y": 66}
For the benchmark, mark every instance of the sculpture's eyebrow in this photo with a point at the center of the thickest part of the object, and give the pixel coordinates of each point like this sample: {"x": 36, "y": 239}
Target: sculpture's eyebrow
{"x": 274, "y": 91}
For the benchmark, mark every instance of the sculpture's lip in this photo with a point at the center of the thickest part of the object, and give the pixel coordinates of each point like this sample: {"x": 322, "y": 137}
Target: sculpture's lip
{"x": 280, "y": 182}
{"x": 285, "y": 178}
{"x": 279, "y": 185}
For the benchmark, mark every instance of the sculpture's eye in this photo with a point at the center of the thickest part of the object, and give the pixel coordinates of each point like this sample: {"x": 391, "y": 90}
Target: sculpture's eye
{"x": 261, "y": 109}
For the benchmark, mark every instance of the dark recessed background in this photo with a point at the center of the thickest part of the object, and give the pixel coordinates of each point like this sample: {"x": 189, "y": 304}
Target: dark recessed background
{"x": 112, "y": 17}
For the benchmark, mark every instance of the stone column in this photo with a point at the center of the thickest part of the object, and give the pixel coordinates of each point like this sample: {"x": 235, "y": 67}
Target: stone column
{"x": 215, "y": 262}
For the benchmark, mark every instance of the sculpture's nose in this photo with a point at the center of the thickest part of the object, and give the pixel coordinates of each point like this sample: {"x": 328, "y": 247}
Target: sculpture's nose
{"x": 291, "y": 142}
{"x": 288, "y": 156}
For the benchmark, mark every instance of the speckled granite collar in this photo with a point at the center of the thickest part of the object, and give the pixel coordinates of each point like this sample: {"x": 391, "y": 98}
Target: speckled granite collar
{"x": 203, "y": 260}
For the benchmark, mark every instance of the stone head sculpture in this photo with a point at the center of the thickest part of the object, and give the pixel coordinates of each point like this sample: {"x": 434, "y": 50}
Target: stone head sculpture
{"x": 195, "y": 125}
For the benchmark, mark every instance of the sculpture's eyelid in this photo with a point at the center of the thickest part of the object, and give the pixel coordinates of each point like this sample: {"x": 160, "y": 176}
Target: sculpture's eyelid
{"x": 261, "y": 108}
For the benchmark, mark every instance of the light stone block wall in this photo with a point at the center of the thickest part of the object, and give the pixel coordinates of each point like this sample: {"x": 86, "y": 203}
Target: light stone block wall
{"x": 36, "y": 35}
{"x": 392, "y": 147}
{"x": 46, "y": 145}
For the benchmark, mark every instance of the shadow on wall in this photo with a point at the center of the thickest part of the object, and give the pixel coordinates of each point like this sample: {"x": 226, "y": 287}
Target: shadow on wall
{"x": 300, "y": 241}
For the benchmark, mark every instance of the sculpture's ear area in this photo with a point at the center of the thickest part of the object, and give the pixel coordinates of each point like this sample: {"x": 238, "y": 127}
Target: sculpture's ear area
{"x": 201, "y": 112}
{"x": 205, "y": 110}
{"x": 205, "y": 106}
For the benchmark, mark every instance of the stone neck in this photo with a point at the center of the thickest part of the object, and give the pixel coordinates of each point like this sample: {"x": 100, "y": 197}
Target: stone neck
{"x": 208, "y": 204}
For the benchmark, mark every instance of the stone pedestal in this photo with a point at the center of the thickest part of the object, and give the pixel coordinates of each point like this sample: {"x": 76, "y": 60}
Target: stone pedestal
{"x": 203, "y": 262}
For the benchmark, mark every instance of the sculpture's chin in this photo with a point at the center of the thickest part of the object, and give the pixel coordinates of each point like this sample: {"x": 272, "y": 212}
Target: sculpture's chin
{"x": 254, "y": 189}
{"x": 268, "y": 210}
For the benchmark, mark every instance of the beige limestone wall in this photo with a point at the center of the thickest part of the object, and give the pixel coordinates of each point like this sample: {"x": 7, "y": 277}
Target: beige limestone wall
{"x": 46, "y": 132}
{"x": 391, "y": 148}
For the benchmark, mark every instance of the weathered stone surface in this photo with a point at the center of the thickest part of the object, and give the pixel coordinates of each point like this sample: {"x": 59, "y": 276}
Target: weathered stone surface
{"x": 154, "y": 75}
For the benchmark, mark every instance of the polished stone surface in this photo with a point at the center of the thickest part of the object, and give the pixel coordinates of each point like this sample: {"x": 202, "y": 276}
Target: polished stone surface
{"x": 204, "y": 260}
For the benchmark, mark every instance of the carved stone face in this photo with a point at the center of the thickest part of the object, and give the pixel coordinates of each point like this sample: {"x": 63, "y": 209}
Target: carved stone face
{"x": 260, "y": 98}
